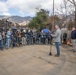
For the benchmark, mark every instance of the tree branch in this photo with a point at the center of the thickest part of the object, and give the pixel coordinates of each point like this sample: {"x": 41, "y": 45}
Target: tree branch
{"x": 73, "y": 2}
{"x": 70, "y": 1}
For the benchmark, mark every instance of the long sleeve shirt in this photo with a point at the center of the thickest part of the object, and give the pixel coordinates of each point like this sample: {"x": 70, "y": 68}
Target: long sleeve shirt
{"x": 0, "y": 37}
{"x": 57, "y": 36}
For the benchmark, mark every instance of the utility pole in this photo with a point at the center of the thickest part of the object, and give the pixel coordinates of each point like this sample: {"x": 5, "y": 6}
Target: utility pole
{"x": 52, "y": 29}
{"x": 53, "y": 17}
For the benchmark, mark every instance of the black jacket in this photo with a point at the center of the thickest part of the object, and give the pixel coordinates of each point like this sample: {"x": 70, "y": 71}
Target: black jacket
{"x": 73, "y": 34}
{"x": 23, "y": 34}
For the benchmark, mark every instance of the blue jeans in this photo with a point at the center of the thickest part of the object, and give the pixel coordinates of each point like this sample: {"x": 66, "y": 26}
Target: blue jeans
{"x": 1, "y": 46}
{"x": 57, "y": 44}
{"x": 7, "y": 43}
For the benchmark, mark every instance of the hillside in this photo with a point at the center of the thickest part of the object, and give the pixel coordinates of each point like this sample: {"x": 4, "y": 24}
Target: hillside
{"x": 17, "y": 19}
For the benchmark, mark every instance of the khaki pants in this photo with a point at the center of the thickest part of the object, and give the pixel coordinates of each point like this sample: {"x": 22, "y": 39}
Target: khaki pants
{"x": 74, "y": 44}
{"x": 23, "y": 40}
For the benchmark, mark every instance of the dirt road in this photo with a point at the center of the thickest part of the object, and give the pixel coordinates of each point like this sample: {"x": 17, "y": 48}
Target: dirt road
{"x": 34, "y": 60}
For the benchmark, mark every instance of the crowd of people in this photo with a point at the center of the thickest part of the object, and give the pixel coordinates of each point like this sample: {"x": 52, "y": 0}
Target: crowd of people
{"x": 19, "y": 37}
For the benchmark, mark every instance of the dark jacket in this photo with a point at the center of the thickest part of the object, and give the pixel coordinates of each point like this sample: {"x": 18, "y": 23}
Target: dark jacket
{"x": 23, "y": 34}
{"x": 73, "y": 34}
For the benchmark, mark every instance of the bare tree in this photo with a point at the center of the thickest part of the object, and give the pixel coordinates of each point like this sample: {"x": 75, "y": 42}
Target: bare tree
{"x": 67, "y": 9}
{"x": 63, "y": 10}
{"x": 74, "y": 3}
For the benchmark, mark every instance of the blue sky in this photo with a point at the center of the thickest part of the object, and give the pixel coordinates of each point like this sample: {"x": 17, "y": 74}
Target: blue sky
{"x": 3, "y": 0}
{"x": 25, "y": 7}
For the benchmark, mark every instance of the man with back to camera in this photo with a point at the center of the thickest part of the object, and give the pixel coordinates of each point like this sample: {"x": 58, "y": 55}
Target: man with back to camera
{"x": 57, "y": 39}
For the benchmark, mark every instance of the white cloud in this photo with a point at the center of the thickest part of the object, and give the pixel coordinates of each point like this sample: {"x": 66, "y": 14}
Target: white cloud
{"x": 27, "y": 7}
{"x": 3, "y": 9}
{"x": 6, "y": 14}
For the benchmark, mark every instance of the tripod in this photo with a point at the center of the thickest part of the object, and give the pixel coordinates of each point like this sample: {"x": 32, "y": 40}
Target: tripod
{"x": 51, "y": 48}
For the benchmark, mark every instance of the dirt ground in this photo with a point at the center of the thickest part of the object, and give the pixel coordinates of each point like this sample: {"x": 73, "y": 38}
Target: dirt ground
{"x": 35, "y": 60}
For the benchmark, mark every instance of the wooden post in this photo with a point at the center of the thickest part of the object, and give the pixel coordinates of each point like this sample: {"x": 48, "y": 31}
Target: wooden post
{"x": 52, "y": 30}
{"x": 53, "y": 17}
